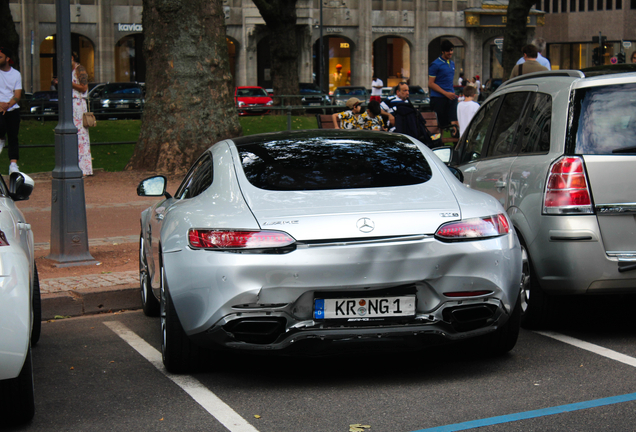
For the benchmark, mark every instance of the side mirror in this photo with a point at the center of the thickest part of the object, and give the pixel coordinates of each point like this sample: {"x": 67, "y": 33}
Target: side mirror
{"x": 153, "y": 187}
{"x": 20, "y": 186}
{"x": 444, "y": 153}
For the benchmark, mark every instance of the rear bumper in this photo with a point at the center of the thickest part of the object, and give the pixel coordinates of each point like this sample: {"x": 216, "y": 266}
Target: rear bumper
{"x": 213, "y": 291}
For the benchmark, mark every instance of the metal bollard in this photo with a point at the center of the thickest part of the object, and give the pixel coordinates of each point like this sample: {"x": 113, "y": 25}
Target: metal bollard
{"x": 289, "y": 108}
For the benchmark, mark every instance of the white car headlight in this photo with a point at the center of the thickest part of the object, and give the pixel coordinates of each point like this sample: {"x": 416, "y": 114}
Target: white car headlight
{"x": 241, "y": 103}
{"x": 270, "y": 103}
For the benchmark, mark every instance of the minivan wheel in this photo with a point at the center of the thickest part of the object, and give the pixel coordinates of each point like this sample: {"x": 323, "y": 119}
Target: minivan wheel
{"x": 535, "y": 303}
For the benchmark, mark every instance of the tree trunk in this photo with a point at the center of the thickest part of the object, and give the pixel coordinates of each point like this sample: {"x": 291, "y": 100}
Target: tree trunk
{"x": 515, "y": 34}
{"x": 280, "y": 19}
{"x": 9, "y": 37}
{"x": 189, "y": 93}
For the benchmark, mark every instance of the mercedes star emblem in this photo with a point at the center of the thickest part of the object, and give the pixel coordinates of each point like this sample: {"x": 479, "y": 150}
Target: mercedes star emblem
{"x": 365, "y": 225}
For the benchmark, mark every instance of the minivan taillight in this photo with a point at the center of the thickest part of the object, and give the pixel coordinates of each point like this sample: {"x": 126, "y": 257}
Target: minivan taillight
{"x": 567, "y": 190}
{"x": 234, "y": 239}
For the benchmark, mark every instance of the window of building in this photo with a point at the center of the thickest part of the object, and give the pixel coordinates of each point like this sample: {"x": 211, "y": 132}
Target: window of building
{"x": 461, "y": 5}
{"x": 546, "y": 6}
{"x": 581, "y": 5}
{"x": 608, "y": 5}
{"x": 447, "y": 6}
{"x": 572, "y": 5}
{"x": 633, "y": 4}
{"x": 590, "y": 5}
{"x": 564, "y": 6}
{"x": 555, "y": 6}
{"x": 433, "y": 5}
{"x": 619, "y": 4}
{"x": 599, "y": 5}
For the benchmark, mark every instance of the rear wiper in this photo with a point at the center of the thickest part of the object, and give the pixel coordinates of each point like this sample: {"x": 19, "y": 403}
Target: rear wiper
{"x": 625, "y": 150}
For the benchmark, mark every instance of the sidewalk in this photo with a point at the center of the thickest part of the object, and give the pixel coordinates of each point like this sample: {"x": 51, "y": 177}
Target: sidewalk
{"x": 112, "y": 211}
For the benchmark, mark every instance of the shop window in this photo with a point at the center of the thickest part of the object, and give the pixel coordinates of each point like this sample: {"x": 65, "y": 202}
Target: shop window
{"x": 129, "y": 62}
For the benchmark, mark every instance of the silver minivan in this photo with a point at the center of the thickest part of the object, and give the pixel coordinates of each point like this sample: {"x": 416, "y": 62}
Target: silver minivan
{"x": 558, "y": 150}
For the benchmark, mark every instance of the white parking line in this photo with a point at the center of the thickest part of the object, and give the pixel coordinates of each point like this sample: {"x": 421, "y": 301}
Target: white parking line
{"x": 631, "y": 361}
{"x": 204, "y": 397}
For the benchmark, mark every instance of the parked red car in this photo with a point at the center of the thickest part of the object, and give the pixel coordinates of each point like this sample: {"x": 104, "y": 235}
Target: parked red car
{"x": 252, "y": 97}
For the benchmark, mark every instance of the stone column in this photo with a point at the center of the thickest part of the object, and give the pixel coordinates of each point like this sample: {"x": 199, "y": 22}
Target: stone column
{"x": 419, "y": 57}
{"x": 105, "y": 45}
{"x": 361, "y": 68}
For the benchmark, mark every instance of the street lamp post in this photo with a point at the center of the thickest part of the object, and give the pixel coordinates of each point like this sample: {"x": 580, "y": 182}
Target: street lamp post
{"x": 69, "y": 239}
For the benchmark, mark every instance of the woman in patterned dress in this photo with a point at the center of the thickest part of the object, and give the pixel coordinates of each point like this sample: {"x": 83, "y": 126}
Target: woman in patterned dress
{"x": 80, "y": 92}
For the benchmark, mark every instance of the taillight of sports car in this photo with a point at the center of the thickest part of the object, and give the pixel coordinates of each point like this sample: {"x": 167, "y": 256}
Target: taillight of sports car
{"x": 229, "y": 239}
{"x": 475, "y": 228}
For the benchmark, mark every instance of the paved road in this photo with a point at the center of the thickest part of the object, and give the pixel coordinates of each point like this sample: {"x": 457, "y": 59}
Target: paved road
{"x": 102, "y": 373}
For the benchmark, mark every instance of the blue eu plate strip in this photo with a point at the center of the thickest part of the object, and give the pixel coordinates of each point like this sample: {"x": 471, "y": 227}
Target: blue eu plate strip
{"x": 319, "y": 309}
{"x": 532, "y": 414}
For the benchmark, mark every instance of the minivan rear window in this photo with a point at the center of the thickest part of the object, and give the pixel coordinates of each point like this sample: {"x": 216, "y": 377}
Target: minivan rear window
{"x": 319, "y": 163}
{"x": 604, "y": 120}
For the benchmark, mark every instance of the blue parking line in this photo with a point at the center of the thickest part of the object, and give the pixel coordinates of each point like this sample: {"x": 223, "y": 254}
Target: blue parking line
{"x": 531, "y": 414}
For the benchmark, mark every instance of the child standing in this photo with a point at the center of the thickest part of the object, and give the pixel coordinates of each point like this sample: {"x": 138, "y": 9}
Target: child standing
{"x": 467, "y": 109}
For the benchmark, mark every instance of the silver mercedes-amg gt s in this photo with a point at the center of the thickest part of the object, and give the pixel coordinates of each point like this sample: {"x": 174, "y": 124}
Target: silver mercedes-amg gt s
{"x": 329, "y": 235}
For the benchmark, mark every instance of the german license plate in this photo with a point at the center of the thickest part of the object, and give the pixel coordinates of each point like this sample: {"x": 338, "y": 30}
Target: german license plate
{"x": 121, "y": 106}
{"x": 314, "y": 104}
{"x": 373, "y": 307}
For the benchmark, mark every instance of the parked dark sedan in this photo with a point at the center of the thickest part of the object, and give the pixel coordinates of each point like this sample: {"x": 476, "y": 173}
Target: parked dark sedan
{"x": 44, "y": 105}
{"x": 342, "y": 94}
{"x": 119, "y": 99}
{"x": 312, "y": 96}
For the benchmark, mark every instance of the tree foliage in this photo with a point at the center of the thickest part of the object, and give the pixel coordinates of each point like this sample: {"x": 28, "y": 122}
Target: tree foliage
{"x": 280, "y": 20}
{"x": 189, "y": 92}
{"x": 516, "y": 33}
{"x": 9, "y": 37}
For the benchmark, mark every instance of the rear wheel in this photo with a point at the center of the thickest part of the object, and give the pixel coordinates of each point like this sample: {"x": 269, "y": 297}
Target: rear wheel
{"x": 17, "y": 403}
{"x": 177, "y": 350}
{"x": 36, "y": 304}
{"x": 149, "y": 302}
{"x": 535, "y": 303}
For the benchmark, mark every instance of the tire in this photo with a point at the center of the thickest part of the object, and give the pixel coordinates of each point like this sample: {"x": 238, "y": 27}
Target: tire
{"x": 36, "y": 305}
{"x": 535, "y": 303}
{"x": 505, "y": 338}
{"x": 149, "y": 302}
{"x": 177, "y": 350}
{"x": 17, "y": 402}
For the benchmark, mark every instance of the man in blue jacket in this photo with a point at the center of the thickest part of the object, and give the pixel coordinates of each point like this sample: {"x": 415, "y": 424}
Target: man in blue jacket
{"x": 441, "y": 74}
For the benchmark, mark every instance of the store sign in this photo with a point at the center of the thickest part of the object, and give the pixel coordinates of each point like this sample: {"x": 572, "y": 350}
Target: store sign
{"x": 627, "y": 44}
{"x": 130, "y": 27}
{"x": 344, "y": 45}
{"x": 393, "y": 30}
{"x": 334, "y": 29}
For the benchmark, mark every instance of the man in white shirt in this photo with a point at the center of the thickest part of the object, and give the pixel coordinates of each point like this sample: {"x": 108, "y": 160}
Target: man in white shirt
{"x": 376, "y": 89}
{"x": 540, "y": 44}
{"x": 10, "y": 92}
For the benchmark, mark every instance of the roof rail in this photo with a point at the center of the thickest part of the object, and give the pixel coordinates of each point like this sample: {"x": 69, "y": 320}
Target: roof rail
{"x": 554, "y": 73}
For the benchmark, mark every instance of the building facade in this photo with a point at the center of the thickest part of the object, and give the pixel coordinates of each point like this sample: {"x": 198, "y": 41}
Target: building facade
{"x": 394, "y": 39}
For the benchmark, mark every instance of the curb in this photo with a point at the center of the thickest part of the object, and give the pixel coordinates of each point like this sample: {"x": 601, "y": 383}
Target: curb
{"x": 90, "y": 301}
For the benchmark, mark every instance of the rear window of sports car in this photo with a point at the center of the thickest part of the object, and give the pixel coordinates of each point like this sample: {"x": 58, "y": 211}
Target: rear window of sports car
{"x": 324, "y": 164}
